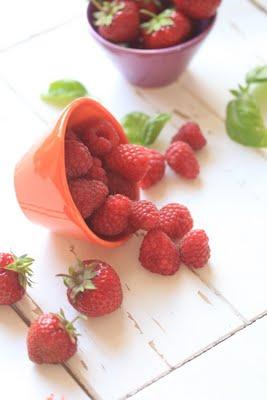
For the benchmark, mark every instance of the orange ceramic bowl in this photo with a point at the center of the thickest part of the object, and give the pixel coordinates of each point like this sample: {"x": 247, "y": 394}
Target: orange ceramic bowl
{"x": 40, "y": 177}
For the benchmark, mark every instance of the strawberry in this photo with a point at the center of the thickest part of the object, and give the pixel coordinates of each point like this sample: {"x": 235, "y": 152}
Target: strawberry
{"x": 165, "y": 29}
{"x": 94, "y": 287}
{"x": 152, "y": 6}
{"x": 117, "y": 21}
{"x": 15, "y": 275}
{"x": 51, "y": 339}
{"x": 159, "y": 254}
{"x": 129, "y": 160}
{"x": 197, "y": 9}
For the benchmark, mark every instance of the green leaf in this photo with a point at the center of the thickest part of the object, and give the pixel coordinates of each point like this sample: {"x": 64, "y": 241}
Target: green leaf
{"x": 142, "y": 129}
{"x": 258, "y": 74}
{"x": 153, "y": 128}
{"x": 61, "y": 93}
{"x": 134, "y": 124}
{"x": 244, "y": 122}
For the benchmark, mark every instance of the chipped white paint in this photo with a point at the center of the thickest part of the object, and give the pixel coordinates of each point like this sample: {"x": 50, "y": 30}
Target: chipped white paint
{"x": 164, "y": 321}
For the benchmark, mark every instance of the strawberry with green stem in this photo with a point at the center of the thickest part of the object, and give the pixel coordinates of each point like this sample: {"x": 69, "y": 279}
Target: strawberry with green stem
{"x": 153, "y": 6}
{"x": 15, "y": 275}
{"x": 52, "y": 339}
{"x": 94, "y": 287}
{"x": 165, "y": 29}
{"x": 118, "y": 20}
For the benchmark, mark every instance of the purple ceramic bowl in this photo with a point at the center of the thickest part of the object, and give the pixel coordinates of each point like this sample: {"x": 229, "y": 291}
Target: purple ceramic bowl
{"x": 152, "y": 68}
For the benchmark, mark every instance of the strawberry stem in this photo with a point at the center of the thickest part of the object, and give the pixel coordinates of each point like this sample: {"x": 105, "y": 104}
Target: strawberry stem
{"x": 149, "y": 13}
{"x": 97, "y": 5}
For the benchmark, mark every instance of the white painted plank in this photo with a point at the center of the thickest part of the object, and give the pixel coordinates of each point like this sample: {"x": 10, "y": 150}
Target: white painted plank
{"x": 176, "y": 316}
{"x": 235, "y": 369}
{"x": 20, "y": 20}
{"x": 20, "y": 378}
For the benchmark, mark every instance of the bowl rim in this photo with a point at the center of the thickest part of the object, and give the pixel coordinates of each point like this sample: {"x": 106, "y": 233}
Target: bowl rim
{"x": 172, "y": 49}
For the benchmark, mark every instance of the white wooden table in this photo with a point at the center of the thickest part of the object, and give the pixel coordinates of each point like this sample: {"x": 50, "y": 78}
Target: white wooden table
{"x": 192, "y": 336}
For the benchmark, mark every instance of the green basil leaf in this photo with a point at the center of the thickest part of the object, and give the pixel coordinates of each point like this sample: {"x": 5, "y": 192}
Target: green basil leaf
{"x": 258, "y": 74}
{"x": 134, "y": 124}
{"x": 244, "y": 122}
{"x": 61, "y": 93}
{"x": 153, "y": 128}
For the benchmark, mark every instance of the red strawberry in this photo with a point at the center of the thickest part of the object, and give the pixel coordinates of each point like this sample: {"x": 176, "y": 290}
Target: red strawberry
{"x": 152, "y": 6}
{"x": 15, "y": 275}
{"x": 51, "y": 339}
{"x": 100, "y": 138}
{"x": 191, "y": 134}
{"x": 94, "y": 288}
{"x": 97, "y": 172}
{"x": 129, "y": 160}
{"x": 112, "y": 218}
{"x": 78, "y": 159}
{"x": 197, "y": 9}
{"x": 119, "y": 185}
{"x": 156, "y": 169}
{"x": 159, "y": 254}
{"x": 182, "y": 160}
{"x": 87, "y": 195}
{"x": 117, "y": 21}
{"x": 144, "y": 215}
{"x": 194, "y": 249}
{"x": 175, "y": 220}
{"x": 165, "y": 29}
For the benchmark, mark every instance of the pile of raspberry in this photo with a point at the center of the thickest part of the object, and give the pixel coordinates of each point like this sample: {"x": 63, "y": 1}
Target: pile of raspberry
{"x": 104, "y": 176}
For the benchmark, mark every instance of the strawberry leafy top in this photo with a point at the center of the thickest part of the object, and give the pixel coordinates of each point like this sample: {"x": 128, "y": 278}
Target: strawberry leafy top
{"x": 22, "y": 265}
{"x": 106, "y": 12}
{"x": 68, "y": 325}
{"x": 79, "y": 277}
{"x": 157, "y": 22}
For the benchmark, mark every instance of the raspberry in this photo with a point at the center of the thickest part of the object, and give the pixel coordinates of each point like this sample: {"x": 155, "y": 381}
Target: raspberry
{"x": 101, "y": 137}
{"x": 78, "y": 159}
{"x": 182, "y": 160}
{"x": 144, "y": 215}
{"x": 97, "y": 172}
{"x": 175, "y": 220}
{"x": 129, "y": 160}
{"x": 191, "y": 134}
{"x": 71, "y": 135}
{"x": 159, "y": 254}
{"x": 194, "y": 249}
{"x": 112, "y": 218}
{"x": 156, "y": 169}
{"x": 87, "y": 195}
{"x": 119, "y": 185}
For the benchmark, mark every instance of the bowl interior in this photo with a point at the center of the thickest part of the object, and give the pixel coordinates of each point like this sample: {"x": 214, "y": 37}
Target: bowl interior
{"x": 201, "y": 27}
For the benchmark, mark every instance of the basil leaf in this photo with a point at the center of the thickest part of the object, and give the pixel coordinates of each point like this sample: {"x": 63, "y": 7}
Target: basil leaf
{"x": 61, "y": 93}
{"x": 142, "y": 129}
{"x": 244, "y": 122}
{"x": 258, "y": 74}
{"x": 153, "y": 128}
{"x": 134, "y": 124}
